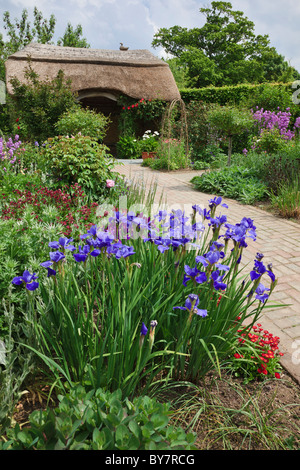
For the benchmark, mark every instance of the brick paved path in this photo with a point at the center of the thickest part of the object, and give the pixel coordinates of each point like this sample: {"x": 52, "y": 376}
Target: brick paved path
{"x": 277, "y": 239}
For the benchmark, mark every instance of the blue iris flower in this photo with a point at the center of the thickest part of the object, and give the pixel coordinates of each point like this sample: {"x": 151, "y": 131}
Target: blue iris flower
{"x": 63, "y": 243}
{"x": 261, "y": 293}
{"x": 144, "y": 329}
{"x": 48, "y": 264}
{"x": 82, "y": 254}
{"x": 28, "y": 279}
{"x": 56, "y": 256}
{"x": 193, "y": 273}
{"x": 258, "y": 270}
{"x": 218, "y": 281}
{"x": 216, "y": 201}
{"x": 191, "y": 305}
{"x": 124, "y": 252}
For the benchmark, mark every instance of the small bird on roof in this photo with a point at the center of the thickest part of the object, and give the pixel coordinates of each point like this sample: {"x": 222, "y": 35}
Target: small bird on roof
{"x": 123, "y": 48}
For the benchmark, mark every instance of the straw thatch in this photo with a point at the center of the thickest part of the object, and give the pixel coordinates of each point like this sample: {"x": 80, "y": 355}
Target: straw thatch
{"x": 135, "y": 73}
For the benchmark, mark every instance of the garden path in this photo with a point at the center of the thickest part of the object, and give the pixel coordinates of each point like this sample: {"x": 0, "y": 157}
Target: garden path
{"x": 278, "y": 239}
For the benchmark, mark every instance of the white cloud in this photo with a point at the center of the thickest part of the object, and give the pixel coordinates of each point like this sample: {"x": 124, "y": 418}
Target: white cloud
{"x": 106, "y": 23}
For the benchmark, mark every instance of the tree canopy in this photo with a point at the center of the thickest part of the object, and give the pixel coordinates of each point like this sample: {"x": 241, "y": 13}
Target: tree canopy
{"x": 224, "y": 51}
{"x": 20, "y": 32}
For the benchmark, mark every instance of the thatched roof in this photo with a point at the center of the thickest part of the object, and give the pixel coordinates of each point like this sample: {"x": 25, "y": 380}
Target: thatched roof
{"x": 135, "y": 73}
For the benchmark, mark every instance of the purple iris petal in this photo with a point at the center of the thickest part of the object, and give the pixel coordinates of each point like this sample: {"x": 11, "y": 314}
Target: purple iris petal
{"x": 56, "y": 256}
{"x": 17, "y": 280}
{"x": 201, "y": 312}
{"x": 124, "y": 252}
{"x": 217, "y": 280}
{"x": 46, "y": 264}
{"x": 51, "y": 272}
{"x": 192, "y": 301}
{"x": 32, "y": 286}
{"x": 95, "y": 253}
{"x": 54, "y": 245}
{"x": 201, "y": 278}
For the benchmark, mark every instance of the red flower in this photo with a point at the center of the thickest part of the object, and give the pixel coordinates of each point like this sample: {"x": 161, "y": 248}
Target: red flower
{"x": 277, "y": 375}
{"x": 17, "y": 120}
{"x": 19, "y": 127}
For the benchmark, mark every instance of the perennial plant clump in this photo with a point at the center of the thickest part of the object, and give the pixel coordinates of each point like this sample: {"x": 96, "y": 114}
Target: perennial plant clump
{"x": 171, "y": 284}
{"x": 273, "y": 129}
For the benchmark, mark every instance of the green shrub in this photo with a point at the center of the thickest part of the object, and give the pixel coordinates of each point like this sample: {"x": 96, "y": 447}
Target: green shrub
{"x": 233, "y": 182}
{"x": 37, "y": 105}
{"x": 99, "y": 420}
{"x": 230, "y": 122}
{"x": 171, "y": 156}
{"x": 79, "y": 159}
{"x": 269, "y": 141}
{"x": 86, "y": 121}
{"x": 128, "y": 147}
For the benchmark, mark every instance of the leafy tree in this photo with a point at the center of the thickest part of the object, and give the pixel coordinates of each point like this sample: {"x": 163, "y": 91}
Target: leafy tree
{"x": 72, "y": 37}
{"x": 230, "y": 121}
{"x": 20, "y": 33}
{"x": 224, "y": 51}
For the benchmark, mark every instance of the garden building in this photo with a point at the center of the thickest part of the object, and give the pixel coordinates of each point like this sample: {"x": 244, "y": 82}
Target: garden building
{"x": 99, "y": 76}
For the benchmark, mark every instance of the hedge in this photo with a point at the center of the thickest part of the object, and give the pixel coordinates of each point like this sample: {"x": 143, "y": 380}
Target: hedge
{"x": 227, "y": 94}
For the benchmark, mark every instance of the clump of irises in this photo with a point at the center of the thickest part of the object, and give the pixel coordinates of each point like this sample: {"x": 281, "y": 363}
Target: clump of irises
{"x": 175, "y": 231}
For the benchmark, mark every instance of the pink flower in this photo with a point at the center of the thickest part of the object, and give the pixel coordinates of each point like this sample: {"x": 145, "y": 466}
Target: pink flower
{"x": 110, "y": 183}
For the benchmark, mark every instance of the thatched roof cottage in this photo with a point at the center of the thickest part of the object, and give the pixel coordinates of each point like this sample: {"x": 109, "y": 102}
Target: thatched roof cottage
{"x": 98, "y": 76}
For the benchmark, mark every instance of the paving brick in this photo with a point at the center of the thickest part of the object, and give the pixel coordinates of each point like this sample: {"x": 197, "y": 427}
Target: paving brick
{"x": 278, "y": 239}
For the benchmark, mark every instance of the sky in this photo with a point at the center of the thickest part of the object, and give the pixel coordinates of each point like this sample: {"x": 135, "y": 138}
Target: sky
{"x": 107, "y": 23}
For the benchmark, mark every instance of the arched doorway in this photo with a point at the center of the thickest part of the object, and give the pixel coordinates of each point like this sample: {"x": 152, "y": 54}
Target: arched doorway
{"x": 106, "y": 103}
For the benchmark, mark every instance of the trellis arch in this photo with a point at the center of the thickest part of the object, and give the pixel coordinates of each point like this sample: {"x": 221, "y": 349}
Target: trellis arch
{"x": 166, "y": 126}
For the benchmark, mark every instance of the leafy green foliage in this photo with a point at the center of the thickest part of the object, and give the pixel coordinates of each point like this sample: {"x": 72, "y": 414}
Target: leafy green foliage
{"x": 38, "y": 104}
{"x": 83, "y": 120}
{"x": 72, "y": 37}
{"x": 230, "y": 121}
{"x": 137, "y": 116}
{"x": 171, "y": 156}
{"x": 99, "y": 420}
{"x": 269, "y": 141}
{"x": 20, "y": 33}
{"x": 242, "y": 184}
{"x": 287, "y": 199}
{"x": 79, "y": 159}
{"x": 128, "y": 147}
{"x": 226, "y": 49}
